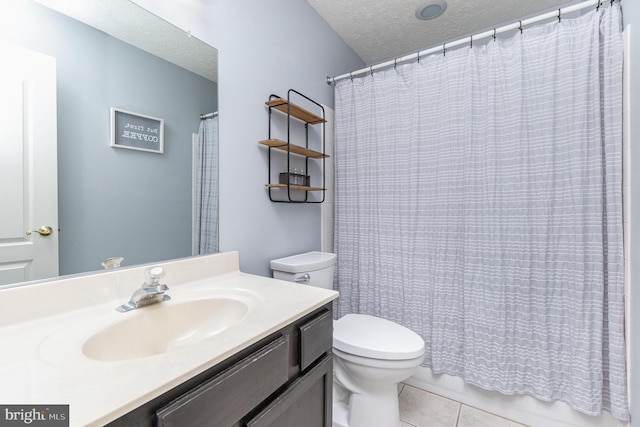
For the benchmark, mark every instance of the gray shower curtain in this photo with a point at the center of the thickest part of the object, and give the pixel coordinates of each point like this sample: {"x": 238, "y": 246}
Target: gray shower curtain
{"x": 206, "y": 215}
{"x": 479, "y": 203}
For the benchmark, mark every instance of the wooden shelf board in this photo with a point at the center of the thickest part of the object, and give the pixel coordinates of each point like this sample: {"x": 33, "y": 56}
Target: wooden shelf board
{"x": 295, "y": 149}
{"x": 296, "y": 111}
{"x": 295, "y": 187}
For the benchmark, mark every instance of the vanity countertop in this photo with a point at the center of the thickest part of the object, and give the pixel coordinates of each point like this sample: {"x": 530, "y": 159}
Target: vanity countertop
{"x": 43, "y": 327}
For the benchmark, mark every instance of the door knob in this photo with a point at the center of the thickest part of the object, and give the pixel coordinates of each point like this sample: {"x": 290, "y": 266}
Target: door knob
{"x": 45, "y": 230}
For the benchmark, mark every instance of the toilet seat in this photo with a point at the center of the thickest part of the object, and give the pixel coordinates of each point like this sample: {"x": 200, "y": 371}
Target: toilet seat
{"x": 379, "y": 363}
{"x": 373, "y": 337}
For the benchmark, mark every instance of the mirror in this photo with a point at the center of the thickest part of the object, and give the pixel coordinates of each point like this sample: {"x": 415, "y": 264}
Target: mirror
{"x": 113, "y": 201}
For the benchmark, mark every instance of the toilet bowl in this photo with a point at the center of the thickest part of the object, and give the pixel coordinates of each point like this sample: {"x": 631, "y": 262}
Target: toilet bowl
{"x": 371, "y": 355}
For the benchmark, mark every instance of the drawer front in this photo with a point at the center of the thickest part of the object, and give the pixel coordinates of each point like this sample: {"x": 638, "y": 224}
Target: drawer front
{"x": 230, "y": 395}
{"x": 316, "y": 338}
{"x": 305, "y": 402}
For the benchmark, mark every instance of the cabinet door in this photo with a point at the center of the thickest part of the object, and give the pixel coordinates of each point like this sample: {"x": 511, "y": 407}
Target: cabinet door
{"x": 306, "y": 402}
{"x": 229, "y": 396}
{"x": 316, "y": 338}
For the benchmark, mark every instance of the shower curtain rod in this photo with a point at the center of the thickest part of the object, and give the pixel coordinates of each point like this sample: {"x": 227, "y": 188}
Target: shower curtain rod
{"x": 491, "y": 33}
{"x": 208, "y": 115}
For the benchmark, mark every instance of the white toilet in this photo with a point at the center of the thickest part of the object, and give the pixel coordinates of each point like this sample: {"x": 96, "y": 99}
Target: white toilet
{"x": 371, "y": 355}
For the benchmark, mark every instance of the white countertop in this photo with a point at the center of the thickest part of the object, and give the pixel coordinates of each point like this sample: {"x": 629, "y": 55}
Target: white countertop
{"x": 43, "y": 327}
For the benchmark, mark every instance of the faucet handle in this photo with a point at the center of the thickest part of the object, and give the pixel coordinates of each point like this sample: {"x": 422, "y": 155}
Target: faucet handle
{"x": 153, "y": 275}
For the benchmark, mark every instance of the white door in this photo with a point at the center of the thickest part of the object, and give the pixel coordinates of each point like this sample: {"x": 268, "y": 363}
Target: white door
{"x": 28, "y": 165}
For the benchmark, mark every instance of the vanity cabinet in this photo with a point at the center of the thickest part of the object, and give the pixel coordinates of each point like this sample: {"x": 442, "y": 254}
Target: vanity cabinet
{"x": 283, "y": 380}
{"x": 289, "y": 110}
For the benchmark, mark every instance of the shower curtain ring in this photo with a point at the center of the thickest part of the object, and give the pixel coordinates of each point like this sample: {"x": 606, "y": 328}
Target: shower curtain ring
{"x": 418, "y": 55}
{"x": 395, "y": 63}
{"x": 598, "y": 6}
{"x": 351, "y": 75}
{"x": 371, "y": 70}
{"x": 444, "y": 49}
{"x": 494, "y": 34}
{"x": 520, "y": 27}
{"x": 471, "y": 42}
{"x": 559, "y": 18}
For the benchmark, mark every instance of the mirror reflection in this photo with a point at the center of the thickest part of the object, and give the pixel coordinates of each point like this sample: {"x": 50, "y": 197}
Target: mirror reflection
{"x": 143, "y": 206}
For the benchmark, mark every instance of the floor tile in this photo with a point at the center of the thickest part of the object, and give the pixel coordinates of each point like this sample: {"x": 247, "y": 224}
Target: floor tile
{"x": 472, "y": 417}
{"x": 423, "y": 409}
{"x": 400, "y": 387}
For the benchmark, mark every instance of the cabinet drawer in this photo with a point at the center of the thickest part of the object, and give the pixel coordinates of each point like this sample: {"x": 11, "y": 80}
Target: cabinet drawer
{"x": 316, "y": 338}
{"x": 230, "y": 395}
{"x": 305, "y": 402}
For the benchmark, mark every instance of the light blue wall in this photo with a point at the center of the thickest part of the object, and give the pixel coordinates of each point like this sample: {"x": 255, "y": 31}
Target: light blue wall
{"x": 116, "y": 202}
{"x": 264, "y": 47}
{"x": 289, "y": 46}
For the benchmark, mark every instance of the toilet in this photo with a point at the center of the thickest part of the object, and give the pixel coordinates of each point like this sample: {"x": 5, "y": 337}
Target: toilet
{"x": 371, "y": 355}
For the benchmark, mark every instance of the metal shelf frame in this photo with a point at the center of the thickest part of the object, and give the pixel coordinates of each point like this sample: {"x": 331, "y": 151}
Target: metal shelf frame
{"x": 291, "y": 110}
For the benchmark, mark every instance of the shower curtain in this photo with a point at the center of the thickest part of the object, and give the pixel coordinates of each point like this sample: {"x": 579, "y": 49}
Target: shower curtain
{"x": 479, "y": 203}
{"x": 206, "y": 215}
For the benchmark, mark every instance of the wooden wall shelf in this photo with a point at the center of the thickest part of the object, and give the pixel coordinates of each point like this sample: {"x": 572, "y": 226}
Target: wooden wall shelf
{"x": 300, "y": 193}
{"x": 295, "y": 149}
{"x": 300, "y": 113}
{"x": 296, "y": 187}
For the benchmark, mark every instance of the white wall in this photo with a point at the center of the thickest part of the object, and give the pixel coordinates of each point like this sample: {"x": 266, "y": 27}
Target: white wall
{"x": 264, "y": 47}
{"x": 631, "y": 16}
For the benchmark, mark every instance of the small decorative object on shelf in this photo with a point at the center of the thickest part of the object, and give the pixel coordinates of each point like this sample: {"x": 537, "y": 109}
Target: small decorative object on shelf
{"x": 294, "y": 178}
{"x": 294, "y": 186}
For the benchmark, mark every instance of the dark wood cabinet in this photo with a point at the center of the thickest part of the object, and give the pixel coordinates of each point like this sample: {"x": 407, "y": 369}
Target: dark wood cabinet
{"x": 305, "y": 402}
{"x": 283, "y": 380}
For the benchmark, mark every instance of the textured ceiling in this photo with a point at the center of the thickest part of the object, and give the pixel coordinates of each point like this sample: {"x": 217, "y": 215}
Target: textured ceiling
{"x": 379, "y": 30}
{"x": 129, "y": 22}
{"x": 376, "y": 30}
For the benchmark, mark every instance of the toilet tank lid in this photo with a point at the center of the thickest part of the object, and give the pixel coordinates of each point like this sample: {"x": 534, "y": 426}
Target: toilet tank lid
{"x": 376, "y": 338}
{"x": 309, "y": 261}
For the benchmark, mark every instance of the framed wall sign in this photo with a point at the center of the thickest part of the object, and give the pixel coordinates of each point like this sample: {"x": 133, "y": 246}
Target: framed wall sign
{"x": 136, "y": 131}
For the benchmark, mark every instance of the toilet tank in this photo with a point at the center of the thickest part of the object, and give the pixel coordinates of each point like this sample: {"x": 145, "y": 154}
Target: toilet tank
{"x": 311, "y": 268}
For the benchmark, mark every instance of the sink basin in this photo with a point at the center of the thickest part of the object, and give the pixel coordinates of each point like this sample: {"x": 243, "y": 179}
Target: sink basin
{"x": 164, "y": 327}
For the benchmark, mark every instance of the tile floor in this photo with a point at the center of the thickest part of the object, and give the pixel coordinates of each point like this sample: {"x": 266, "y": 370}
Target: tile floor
{"x": 419, "y": 408}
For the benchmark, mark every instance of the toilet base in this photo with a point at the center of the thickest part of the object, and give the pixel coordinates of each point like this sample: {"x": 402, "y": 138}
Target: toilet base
{"x": 379, "y": 408}
{"x": 340, "y": 412}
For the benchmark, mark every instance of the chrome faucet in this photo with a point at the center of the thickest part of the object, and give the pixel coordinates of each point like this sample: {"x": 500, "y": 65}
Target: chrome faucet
{"x": 151, "y": 292}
